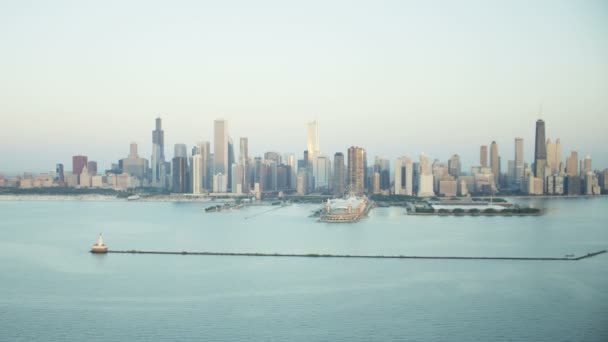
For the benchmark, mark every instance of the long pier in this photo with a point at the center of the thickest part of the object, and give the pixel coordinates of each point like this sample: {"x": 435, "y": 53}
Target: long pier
{"x": 313, "y": 255}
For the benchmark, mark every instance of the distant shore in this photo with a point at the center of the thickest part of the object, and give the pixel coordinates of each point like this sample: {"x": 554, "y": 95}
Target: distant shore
{"x": 189, "y": 198}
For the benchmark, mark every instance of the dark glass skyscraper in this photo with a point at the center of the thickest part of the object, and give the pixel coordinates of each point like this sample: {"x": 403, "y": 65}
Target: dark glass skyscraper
{"x": 158, "y": 155}
{"x": 339, "y": 174}
{"x": 540, "y": 150}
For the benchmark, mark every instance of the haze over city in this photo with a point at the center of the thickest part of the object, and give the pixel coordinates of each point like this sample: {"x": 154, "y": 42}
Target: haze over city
{"x": 398, "y": 78}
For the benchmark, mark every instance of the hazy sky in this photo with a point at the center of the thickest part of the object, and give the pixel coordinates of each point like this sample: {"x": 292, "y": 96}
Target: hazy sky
{"x": 396, "y": 77}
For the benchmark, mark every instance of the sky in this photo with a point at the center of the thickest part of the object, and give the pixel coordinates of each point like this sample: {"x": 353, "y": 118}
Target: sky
{"x": 395, "y": 77}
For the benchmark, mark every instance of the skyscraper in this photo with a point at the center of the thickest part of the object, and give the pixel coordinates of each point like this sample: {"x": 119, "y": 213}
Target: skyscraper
{"x": 180, "y": 175}
{"x": 59, "y": 175}
{"x": 587, "y": 165}
{"x": 313, "y": 151}
{"x": 339, "y": 174}
{"x": 404, "y": 173}
{"x": 180, "y": 150}
{"x": 356, "y": 170}
{"x": 426, "y": 180}
{"x": 494, "y": 161}
{"x": 78, "y": 163}
{"x": 572, "y": 164}
{"x": 322, "y": 172}
{"x": 519, "y": 160}
{"x": 231, "y": 161}
{"x": 483, "y": 155}
{"x": 220, "y": 146}
{"x": 92, "y": 167}
{"x": 244, "y": 162}
{"x": 313, "y": 142}
{"x": 454, "y": 166}
{"x": 133, "y": 165}
{"x": 158, "y": 155}
{"x": 540, "y": 150}
{"x": 197, "y": 174}
{"x": 179, "y": 171}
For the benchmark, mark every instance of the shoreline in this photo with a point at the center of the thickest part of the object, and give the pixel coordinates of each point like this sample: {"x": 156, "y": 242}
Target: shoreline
{"x": 203, "y": 199}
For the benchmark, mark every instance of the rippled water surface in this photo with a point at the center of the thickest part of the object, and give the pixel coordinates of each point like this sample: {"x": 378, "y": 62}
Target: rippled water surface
{"x": 51, "y": 288}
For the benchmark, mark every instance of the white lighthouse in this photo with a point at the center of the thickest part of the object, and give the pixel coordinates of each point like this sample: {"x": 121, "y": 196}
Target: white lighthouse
{"x": 99, "y": 246}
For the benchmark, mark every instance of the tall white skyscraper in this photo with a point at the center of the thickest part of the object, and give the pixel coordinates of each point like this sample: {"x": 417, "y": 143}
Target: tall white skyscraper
{"x": 220, "y": 146}
{"x": 197, "y": 174}
{"x": 313, "y": 142}
{"x": 425, "y": 182}
{"x": 404, "y": 172}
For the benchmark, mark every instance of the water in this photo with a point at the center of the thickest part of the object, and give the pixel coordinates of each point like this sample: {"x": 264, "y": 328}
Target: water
{"x": 52, "y": 289}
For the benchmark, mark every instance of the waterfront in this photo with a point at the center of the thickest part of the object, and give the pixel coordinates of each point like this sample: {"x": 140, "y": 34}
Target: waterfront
{"x": 53, "y": 289}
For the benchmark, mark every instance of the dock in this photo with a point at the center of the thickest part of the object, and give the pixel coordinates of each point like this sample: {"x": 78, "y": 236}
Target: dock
{"x": 314, "y": 255}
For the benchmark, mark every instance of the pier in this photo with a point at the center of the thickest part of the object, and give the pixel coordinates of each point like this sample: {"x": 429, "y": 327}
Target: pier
{"x": 314, "y": 255}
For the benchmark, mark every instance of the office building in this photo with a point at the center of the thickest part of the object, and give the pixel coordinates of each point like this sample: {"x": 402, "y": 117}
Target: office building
{"x": 356, "y": 170}
{"x": 220, "y": 146}
{"x": 483, "y": 155}
{"x": 404, "y": 173}
{"x": 540, "y": 150}
{"x": 158, "y": 156}
{"x": 494, "y": 163}
{"x": 78, "y": 163}
{"x": 339, "y": 176}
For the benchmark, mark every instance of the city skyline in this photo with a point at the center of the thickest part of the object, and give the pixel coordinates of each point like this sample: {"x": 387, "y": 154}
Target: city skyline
{"x": 472, "y": 152}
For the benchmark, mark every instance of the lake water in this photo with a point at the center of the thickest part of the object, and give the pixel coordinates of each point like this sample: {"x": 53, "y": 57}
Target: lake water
{"x": 53, "y": 289}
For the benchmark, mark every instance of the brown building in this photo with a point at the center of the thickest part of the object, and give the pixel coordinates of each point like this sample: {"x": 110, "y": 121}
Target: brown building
{"x": 483, "y": 155}
{"x": 356, "y": 170}
{"x": 78, "y": 163}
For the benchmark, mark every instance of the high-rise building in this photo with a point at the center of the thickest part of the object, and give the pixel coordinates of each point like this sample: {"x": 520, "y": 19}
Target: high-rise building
{"x": 180, "y": 150}
{"x": 587, "y": 165}
{"x": 133, "y": 165}
{"x": 198, "y": 168}
{"x": 425, "y": 178}
{"x": 59, "y": 175}
{"x": 339, "y": 174}
{"x": 572, "y": 164}
{"x": 558, "y": 154}
{"x": 313, "y": 142}
{"x": 158, "y": 155}
{"x": 382, "y": 166}
{"x": 551, "y": 154}
{"x": 519, "y": 161}
{"x": 92, "y": 167}
{"x": 483, "y": 155}
{"x": 540, "y": 150}
{"x": 322, "y": 172}
{"x": 179, "y": 173}
{"x": 454, "y": 166}
{"x": 290, "y": 160}
{"x": 78, "y": 163}
{"x": 220, "y": 146}
{"x": 244, "y": 162}
{"x": 494, "y": 161}
{"x": 404, "y": 173}
{"x": 356, "y": 170}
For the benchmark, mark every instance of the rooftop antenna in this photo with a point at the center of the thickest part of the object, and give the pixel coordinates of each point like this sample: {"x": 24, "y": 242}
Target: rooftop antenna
{"x": 540, "y": 111}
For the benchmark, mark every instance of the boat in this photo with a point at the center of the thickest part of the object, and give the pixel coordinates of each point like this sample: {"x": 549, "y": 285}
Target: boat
{"x": 99, "y": 246}
{"x": 133, "y": 198}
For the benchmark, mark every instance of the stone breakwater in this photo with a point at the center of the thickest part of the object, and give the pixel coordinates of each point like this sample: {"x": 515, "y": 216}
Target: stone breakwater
{"x": 315, "y": 255}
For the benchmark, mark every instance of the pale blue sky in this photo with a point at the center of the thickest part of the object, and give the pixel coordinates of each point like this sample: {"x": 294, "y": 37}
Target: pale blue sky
{"x": 396, "y": 77}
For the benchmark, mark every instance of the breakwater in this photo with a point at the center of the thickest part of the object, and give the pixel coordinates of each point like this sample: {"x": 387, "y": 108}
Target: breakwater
{"x": 314, "y": 255}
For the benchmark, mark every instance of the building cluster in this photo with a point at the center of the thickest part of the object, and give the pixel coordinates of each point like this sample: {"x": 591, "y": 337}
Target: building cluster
{"x": 221, "y": 168}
